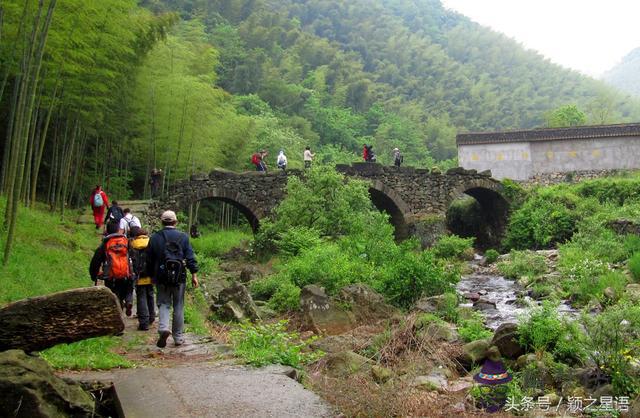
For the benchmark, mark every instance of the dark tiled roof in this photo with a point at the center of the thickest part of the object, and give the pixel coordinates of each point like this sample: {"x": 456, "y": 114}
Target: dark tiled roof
{"x": 549, "y": 134}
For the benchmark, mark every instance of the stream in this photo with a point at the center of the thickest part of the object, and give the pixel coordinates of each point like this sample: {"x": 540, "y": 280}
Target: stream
{"x": 502, "y": 292}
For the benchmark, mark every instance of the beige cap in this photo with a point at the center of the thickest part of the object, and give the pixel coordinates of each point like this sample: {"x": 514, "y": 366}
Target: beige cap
{"x": 169, "y": 216}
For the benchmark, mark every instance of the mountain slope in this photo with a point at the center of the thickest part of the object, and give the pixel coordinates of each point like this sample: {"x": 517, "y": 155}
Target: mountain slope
{"x": 626, "y": 74}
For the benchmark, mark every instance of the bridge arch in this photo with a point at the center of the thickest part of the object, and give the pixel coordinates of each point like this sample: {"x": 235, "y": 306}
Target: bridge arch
{"x": 490, "y": 214}
{"x": 385, "y": 199}
{"x": 249, "y": 209}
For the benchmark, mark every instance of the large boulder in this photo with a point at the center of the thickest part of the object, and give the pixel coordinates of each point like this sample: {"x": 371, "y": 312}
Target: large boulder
{"x": 249, "y": 273}
{"x": 28, "y": 388}
{"x": 346, "y": 363}
{"x": 632, "y": 292}
{"x": 323, "y": 316}
{"x": 41, "y": 322}
{"x": 235, "y": 302}
{"x": 431, "y": 304}
{"x": 484, "y": 305}
{"x": 365, "y": 303}
{"x": 474, "y": 352}
{"x": 506, "y": 339}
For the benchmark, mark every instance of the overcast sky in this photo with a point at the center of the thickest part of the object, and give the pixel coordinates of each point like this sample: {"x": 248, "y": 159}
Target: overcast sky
{"x": 590, "y": 36}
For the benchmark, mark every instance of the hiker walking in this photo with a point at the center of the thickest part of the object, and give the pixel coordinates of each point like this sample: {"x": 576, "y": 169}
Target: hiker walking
{"x": 365, "y": 152}
{"x": 114, "y": 214}
{"x": 99, "y": 202}
{"x": 397, "y": 157}
{"x": 144, "y": 287}
{"x": 169, "y": 256}
{"x": 127, "y": 222}
{"x": 112, "y": 264}
{"x": 257, "y": 159}
{"x": 155, "y": 180}
{"x": 308, "y": 157}
{"x": 281, "y": 161}
{"x": 370, "y": 155}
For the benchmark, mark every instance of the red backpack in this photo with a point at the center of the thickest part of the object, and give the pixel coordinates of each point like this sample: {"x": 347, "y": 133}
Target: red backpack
{"x": 117, "y": 265}
{"x": 255, "y": 159}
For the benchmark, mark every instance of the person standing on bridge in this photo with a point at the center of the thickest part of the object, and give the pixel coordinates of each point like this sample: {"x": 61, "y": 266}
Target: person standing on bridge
{"x": 397, "y": 157}
{"x": 281, "y": 161}
{"x": 365, "y": 152}
{"x": 307, "y": 157}
{"x": 169, "y": 256}
{"x": 99, "y": 201}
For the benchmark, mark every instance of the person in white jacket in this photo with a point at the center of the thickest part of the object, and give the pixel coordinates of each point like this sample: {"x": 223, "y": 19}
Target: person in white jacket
{"x": 308, "y": 157}
{"x": 281, "y": 161}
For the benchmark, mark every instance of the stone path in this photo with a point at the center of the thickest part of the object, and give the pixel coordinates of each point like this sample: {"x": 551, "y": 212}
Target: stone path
{"x": 210, "y": 390}
{"x": 200, "y": 379}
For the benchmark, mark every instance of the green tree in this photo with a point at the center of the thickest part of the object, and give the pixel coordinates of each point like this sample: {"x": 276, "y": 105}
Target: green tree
{"x": 564, "y": 116}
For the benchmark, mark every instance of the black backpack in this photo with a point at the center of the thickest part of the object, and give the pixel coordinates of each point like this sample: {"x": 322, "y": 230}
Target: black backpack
{"x": 171, "y": 270}
{"x": 115, "y": 214}
{"x": 139, "y": 262}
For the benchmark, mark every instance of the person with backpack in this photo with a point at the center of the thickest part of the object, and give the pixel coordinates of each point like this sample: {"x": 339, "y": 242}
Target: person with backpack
{"x": 397, "y": 157}
{"x": 144, "y": 287}
{"x": 112, "y": 264}
{"x": 99, "y": 201}
{"x": 114, "y": 214}
{"x": 371, "y": 156}
{"x": 281, "y": 161}
{"x": 169, "y": 256}
{"x": 128, "y": 221}
{"x": 365, "y": 154}
{"x": 257, "y": 159}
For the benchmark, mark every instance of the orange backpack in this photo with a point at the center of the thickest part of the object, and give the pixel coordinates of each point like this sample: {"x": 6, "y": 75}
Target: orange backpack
{"x": 117, "y": 264}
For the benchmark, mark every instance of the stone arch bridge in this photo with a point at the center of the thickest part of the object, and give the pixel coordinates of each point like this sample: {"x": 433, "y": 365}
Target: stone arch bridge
{"x": 416, "y": 200}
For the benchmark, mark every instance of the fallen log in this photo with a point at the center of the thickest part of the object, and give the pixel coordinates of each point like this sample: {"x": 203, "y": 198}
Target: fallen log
{"x": 41, "y": 322}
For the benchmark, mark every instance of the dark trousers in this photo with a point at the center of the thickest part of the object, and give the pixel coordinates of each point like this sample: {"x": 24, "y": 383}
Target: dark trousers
{"x": 146, "y": 309}
{"x": 123, "y": 289}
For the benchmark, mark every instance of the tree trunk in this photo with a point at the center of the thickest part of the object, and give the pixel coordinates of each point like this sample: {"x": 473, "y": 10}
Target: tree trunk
{"x": 41, "y": 322}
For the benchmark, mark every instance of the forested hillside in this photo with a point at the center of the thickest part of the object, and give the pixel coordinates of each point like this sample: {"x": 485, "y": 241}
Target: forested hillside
{"x": 103, "y": 91}
{"x": 626, "y": 75}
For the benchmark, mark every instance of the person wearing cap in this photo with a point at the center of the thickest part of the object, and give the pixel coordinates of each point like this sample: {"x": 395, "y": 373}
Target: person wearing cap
{"x": 397, "y": 157}
{"x": 169, "y": 275}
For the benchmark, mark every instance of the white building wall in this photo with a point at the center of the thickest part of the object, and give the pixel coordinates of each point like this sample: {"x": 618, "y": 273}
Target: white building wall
{"x": 505, "y": 160}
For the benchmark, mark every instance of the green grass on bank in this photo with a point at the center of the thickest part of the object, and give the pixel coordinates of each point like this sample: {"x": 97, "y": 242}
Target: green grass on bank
{"x": 93, "y": 353}
{"x": 48, "y": 255}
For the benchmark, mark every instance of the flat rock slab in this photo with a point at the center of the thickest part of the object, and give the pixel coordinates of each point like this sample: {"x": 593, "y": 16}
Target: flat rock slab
{"x": 207, "y": 390}
{"x": 41, "y": 322}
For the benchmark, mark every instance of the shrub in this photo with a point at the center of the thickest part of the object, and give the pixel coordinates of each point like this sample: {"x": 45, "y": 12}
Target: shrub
{"x": 632, "y": 244}
{"x": 611, "y": 190}
{"x": 491, "y": 256}
{"x": 216, "y": 243}
{"x": 541, "y": 222}
{"x": 286, "y": 298}
{"x": 634, "y": 266}
{"x": 612, "y": 341}
{"x": 473, "y": 328}
{"x": 452, "y": 246}
{"x": 522, "y": 263}
{"x": 296, "y": 239}
{"x": 329, "y": 266}
{"x": 263, "y": 289}
{"x": 449, "y": 308}
{"x": 410, "y": 276}
{"x": 263, "y": 344}
{"x": 541, "y": 330}
{"x": 589, "y": 287}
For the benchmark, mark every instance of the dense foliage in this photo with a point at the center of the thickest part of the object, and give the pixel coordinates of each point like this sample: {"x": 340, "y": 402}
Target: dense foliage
{"x": 329, "y": 234}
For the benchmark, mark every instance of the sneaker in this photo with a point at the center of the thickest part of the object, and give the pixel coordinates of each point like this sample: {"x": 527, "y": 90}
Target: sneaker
{"x": 129, "y": 307}
{"x": 143, "y": 327}
{"x": 179, "y": 342}
{"x": 162, "y": 339}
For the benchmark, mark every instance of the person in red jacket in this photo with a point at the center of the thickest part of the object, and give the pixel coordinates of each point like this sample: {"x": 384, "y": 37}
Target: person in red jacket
{"x": 99, "y": 202}
{"x": 365, "y": 152}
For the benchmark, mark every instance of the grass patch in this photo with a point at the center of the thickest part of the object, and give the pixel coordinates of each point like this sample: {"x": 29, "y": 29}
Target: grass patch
{"x": 213, "y": 244}
{"x": 90, "y": 354}
{"x": 49, "y": 255}
{"x": 262, "y": 344}
{"x": 195, "y": 312}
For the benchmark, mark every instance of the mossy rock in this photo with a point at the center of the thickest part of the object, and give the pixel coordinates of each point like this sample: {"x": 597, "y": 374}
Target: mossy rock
{"x": 29, "y": 386}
